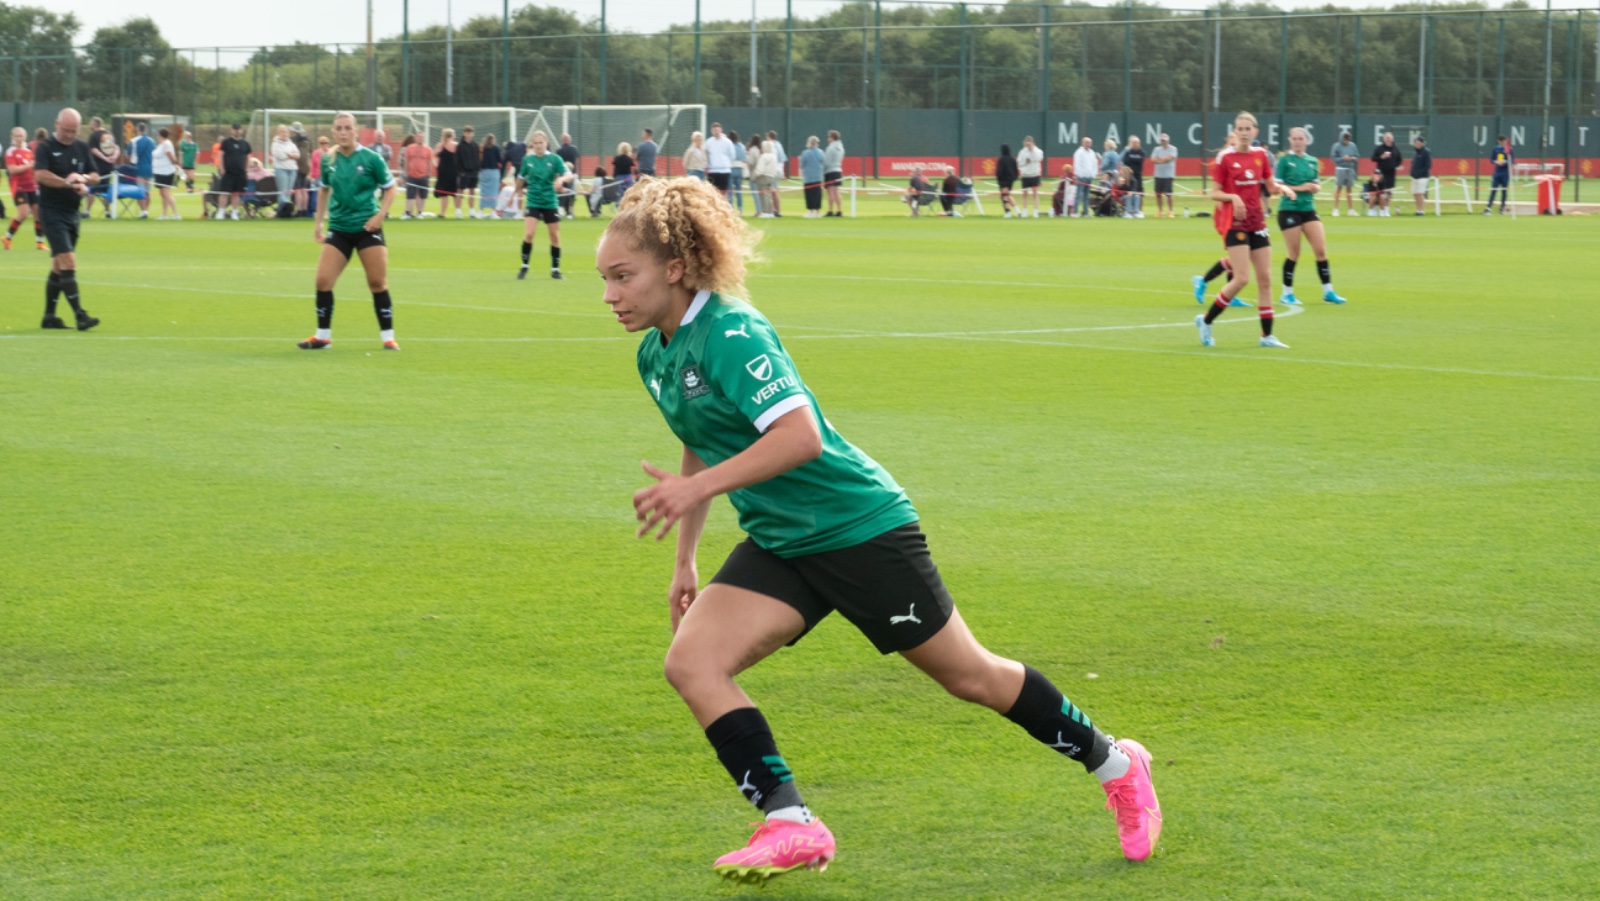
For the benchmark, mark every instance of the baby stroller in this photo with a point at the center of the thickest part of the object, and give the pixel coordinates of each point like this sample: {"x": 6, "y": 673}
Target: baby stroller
{"x": 1106, "y": 199}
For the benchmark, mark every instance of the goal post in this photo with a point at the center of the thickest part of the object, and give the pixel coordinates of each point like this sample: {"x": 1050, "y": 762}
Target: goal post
{"x": 506, "y": 123}
{"x": 597, "y": 131}
{"x": 314, "y": 122}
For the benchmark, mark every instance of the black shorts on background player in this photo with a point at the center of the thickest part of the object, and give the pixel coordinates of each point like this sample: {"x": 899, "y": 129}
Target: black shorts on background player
{"x": 886, "y": 586}
{"x": 1255, "y": 240}
{"x": 31, "y": 198}
{"x": 1288, "y": 219}
{"x": 548, "y": 216}
{"x": 719, "y": 180}
{"x": 1030, "y": 181}
{"x": 350, "y": 242}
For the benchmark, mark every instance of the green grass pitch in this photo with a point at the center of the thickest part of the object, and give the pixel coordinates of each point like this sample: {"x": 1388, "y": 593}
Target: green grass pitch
{"x": 366, "y": 625}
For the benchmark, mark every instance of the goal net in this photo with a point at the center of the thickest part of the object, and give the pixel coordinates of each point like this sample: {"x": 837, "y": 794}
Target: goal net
{"x": 597, "y": 131}
{"x": 506, "y": 123}
{"x": 315, "y": 123}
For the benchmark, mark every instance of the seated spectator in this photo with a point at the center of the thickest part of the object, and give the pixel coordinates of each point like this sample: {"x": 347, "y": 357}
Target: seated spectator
{"x": 950, "y": 193}
{"x": 597, "y": 192}
{"x": 920, "y": 193}
{"x": 506, "y": 205}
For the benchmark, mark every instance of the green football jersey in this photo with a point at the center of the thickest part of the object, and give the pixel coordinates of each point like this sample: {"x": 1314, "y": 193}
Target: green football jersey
{"x": 1295, "y": 169}
{"x": 186, "y": 151}
{"x": 351, "y": 182}
{"x": 720, "y": 382}
{"x": 541, "y": 172}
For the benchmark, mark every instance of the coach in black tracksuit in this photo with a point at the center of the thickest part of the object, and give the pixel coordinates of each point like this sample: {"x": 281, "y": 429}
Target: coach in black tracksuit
{"x": 64, "y": 170}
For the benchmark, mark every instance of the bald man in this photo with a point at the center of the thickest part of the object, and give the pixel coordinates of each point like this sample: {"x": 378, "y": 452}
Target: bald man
{"x": 65, "y": 172}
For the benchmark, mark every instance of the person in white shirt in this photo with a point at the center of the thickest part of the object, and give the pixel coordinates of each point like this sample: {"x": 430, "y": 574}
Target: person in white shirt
{"x": 719, "y": 160}
{"x": 1030, "y": 168}
{"x": 783, "y": 169}
{"x": 833, "y": 173}
{"x": 1165, "y": 158}
{"x": 1085, "y": 169}
{"x": 164, "y": 166}
{"x": 768, "y": 170}
{"x": 284, "y": 158}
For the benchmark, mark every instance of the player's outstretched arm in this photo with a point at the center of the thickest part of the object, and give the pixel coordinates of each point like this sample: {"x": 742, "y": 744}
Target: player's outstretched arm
{"x": 792, "y": 440}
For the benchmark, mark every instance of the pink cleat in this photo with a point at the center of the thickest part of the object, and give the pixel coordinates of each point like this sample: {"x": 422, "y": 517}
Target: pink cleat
{"x": 1133, "y": 797}
{"x": 778, "y": 847}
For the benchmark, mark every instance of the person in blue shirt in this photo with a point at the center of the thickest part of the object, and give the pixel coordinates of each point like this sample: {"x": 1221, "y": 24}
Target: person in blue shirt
{"x": 143, "y": 154}
{"x": 811, "y": 166}
{"x": 1503, "y": 160}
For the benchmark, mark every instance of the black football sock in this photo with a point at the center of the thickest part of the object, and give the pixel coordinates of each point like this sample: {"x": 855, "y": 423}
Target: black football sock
{"x": 384, "y": 308}
{"x": 1217, "y": 306}
{"x": 69, "y": 289}
{"x": 52, "y": 292}
{"x": 1288, "y": 273}
{"x": 1324, "y": 273}
{"x": 324, "y": 309}
{"x": 1266, "y": 321}
{"x": 527, "y": 249}
{"x": 11, "y": 229}
{"x": 555, "y": 257}
{"x": 1216, "y": 269}
{"x": 745, "y": 745}
{"x": 1045, "y": 714}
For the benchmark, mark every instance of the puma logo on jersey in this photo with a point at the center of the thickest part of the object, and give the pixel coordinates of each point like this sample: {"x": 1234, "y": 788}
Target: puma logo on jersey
{"x": 735, "y": 331}
{"x": 910, "y": 617}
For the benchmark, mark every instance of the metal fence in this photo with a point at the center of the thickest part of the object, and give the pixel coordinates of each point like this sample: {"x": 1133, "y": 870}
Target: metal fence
{"x": 962, "y": 57}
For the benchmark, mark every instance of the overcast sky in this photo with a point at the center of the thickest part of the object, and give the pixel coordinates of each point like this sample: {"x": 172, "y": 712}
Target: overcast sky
{"x": 345, "y": 21}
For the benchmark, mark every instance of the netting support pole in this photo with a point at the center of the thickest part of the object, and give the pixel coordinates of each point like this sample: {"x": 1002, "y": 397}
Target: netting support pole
{"x": 1283, "y": 73}
{"x": 603, "y": 42}
{"x": 1127, "y": 69}
{"x": 697, "y": 97}
{"x": 788, "y": 69}
{"x": 505, "y": 58}
{"x": 961, "y": 108}
{"x": 1044, "y": 76}
{"x": 1544, "y": 122}
{"x": 1355, "y": 115}
{"x": 877, "y": 81}
{"x": 405, "y": 52}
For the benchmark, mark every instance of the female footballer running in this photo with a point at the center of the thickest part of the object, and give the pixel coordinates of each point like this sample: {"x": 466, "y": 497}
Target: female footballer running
{"x": 828, "y": 529}
{"x": 1239, "y": 177}
{"x": 351, "y": 175}
{"x": 1297, "y": 172}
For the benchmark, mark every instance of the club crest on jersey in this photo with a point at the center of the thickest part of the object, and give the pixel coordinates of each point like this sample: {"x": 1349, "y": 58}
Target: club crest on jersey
{"x": 694, "y": 384}
{"x": 760, "y": 367}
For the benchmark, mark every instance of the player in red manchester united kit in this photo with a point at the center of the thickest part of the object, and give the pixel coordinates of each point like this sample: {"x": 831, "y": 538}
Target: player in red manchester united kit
{"x": 24, "y": 190}
{"x": 1241, "y": 178}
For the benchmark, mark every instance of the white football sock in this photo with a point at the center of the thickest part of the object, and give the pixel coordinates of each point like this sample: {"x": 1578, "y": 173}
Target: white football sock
{"x": 1116, "y": 765}
{"x": 796, "y": 814}
{"x": 386, "y": 334}
{"x": 324, "y": 334}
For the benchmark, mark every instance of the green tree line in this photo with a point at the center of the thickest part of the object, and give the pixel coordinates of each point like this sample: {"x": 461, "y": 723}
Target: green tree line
{"x": 1019, "y": 55}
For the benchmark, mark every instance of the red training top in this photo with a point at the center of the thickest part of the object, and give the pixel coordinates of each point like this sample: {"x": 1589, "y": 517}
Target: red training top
{"x": 1241, "y": 174}
{"x": 21, "y": 156}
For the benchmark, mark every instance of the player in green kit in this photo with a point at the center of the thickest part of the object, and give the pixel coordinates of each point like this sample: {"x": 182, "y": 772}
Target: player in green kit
{"x": 351, "y": 177}
{"x": 1297, "y": 171}
{"x": 187, "y": 149}
{"x": 543, "y": 174}
{"x": 828, "y": 529}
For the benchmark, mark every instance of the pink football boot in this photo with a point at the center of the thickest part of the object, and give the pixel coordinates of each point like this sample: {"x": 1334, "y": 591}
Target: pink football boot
{"x": 1133, "y": 797}
{"x": 778, "y": 847}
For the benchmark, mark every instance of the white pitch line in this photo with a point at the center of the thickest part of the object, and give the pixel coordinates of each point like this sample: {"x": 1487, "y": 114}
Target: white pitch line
{"x": 956, "y": 281}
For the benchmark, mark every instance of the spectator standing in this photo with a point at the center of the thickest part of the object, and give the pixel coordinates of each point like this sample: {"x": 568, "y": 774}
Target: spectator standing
{"x": 143, "y": 157}
{"x": 647, "y": 152}
{"x": 235, "y": 152}
{"x": 1085, "y": 169}
{"x": 1388, "y": 158}
{"x": 811, "y": 166}
{"x": 489, "y": 171}
{"x": 833, "y": 173}
{"x": 469, "y": 160}
{"x": 1030, "y": 169}
{"x": 741, "y": 175}
{"x": 187, "y": 151}
{"x": 766, "y": 175}
{"x": 1345, "y": 156}
{"x": 514, "y": 152}
{"x": 1110, "y": 160}
{"x": 622, "y": 166}
{"x": 1133, "y": 160}
{"x": 1421, "y": 171}
{"x": 569, "y": 155}
{"x": 1164, "y": 157}
{"x": 300, "y": 188}
{"x": 783, "y": 170}
{"x": 284, "y": 157}
{"x": 1005, "y": 175}
{"x": 418, "y": 162}
{"x": 447, "y": 174}
{"x": 1503, "y": 159}
{"x": 164, "y": 171}
{"x": 314, "y": 176}
{"x": 719, "y": 159}
{"x": 694, "y": 158}
{"x": 381, "y": 146}
{"x": 64, "y": 170}
{"x": 105, "y": 155}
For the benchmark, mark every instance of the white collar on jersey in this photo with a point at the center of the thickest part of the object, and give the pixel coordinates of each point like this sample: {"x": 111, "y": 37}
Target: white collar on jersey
{"x": 694, "y": 308}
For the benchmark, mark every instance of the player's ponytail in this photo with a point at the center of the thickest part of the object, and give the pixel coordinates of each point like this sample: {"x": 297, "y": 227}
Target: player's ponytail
{"x": 689, "y": 220}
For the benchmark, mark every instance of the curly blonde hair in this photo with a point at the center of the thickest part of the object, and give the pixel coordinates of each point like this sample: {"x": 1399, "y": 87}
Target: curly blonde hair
{"x": 689, "y": 220}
